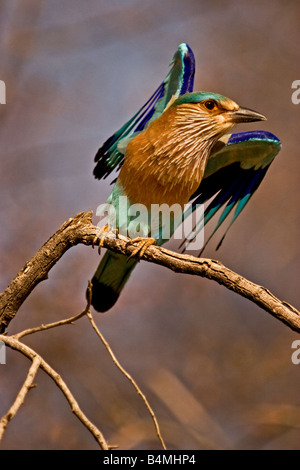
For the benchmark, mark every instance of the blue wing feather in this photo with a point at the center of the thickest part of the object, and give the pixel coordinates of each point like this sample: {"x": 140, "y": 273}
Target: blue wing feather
{"x": 235, "y": 168}
{"x": 180, "y": 80}
{"x": 234, "y": 171}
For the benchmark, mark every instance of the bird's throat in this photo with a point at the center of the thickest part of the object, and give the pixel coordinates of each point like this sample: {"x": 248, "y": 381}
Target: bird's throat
{"x": 165, "y": 163}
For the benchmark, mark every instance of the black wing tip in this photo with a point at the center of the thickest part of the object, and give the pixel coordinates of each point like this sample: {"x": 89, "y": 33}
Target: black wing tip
{"x": 101, "y": 170}
{"x": 100, "y": 154}
{"x": 106, "y": 163}
{"x": 102, "y": 151}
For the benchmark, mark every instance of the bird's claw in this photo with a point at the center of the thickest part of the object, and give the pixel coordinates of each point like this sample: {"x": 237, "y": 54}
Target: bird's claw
{"x": 143, "y": 245}
{"x": 101, "y": 236}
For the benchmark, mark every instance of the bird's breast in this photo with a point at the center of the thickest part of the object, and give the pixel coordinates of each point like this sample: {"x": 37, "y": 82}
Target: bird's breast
{"x": 158, "y": 168}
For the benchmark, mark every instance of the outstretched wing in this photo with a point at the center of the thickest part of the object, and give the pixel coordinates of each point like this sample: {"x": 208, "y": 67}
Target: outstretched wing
{"x": 235, "y": 169}
{"x": 179, "y": 80}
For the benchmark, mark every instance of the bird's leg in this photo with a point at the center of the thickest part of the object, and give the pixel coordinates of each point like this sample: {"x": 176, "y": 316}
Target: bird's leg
{"x": 143, "y": 244}
{"x": 101, "y": 235}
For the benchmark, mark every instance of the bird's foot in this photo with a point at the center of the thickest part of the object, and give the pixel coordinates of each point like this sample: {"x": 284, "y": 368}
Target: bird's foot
{"x": 101, "y": 236}
{"x": 143, "y": 244}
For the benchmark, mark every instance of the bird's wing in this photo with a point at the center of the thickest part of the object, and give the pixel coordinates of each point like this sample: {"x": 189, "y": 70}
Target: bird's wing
{"x": 235, "y": 169}
{"x": 179, "y": 80}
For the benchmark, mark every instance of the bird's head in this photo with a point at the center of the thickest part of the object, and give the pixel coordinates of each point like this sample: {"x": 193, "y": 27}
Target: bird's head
{"x": 211, "y": 114}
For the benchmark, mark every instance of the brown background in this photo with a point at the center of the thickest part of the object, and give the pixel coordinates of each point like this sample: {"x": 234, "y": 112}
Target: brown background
{"x": 217, "y": 370}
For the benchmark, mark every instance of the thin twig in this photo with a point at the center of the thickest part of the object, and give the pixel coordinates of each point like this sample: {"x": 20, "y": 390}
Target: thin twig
{"x": 66, "y": 321}
{"x": 128, "y": 376}
{"x": 31, "y": 354}
{"x": 81, "y": 230}
{"x": 27, "y": 385}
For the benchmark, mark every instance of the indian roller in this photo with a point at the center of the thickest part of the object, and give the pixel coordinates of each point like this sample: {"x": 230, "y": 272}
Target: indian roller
{"x": 176, "y": 149}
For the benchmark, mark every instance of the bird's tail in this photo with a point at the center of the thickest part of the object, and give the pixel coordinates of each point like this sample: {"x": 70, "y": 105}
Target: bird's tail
{"x": 109, "y": 279}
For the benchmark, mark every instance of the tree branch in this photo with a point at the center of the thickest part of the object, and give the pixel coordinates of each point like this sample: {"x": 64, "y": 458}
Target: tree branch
{"x": 27, "y": 385}
{"x": 81, "y": 230}
{"x": 38, "y": 361}
{"x": 129, "y": 377}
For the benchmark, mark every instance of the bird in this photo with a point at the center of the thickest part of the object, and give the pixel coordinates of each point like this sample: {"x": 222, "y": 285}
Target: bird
{"x": 177, "y": 150}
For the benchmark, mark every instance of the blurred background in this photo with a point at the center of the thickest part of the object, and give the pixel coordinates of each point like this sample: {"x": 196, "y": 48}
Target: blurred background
{"x": 216, "y": 369}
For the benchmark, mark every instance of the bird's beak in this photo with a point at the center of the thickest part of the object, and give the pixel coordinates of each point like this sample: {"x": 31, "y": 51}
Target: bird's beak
{"x": 245, "y": 115}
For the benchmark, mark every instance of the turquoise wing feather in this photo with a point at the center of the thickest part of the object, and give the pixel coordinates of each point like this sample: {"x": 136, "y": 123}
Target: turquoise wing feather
{"x": 235, "y": 169}
{"x": 180, "y": 80}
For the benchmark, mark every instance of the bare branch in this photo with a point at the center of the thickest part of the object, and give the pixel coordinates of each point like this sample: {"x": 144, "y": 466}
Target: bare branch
{"x": 31, "y": 354}
{"x": 81, "y": 230}
{"x": 128, "y": 376}
{"x": 37, "y": 268}
{"x": 37, "y": 362}
{"x": 28, "y": 384}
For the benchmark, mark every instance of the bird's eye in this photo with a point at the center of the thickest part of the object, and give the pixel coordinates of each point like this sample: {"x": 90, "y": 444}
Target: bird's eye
{"x": 210, "y": 104}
